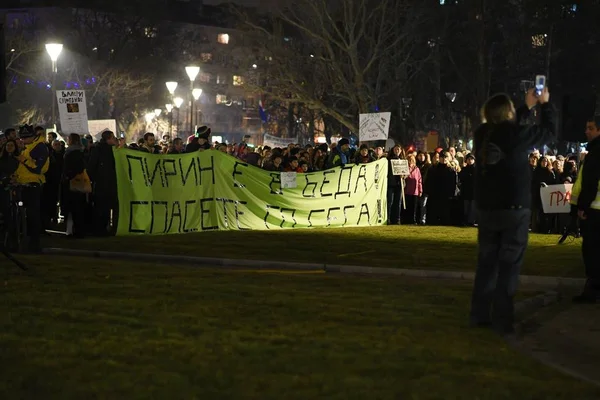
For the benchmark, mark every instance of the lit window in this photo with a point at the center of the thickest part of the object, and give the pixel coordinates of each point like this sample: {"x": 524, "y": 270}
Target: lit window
{"x": 539, "y": 40}
{"x": 206, "y": 57}
{"x": 238, "y": 80}
{"x": 204, "y": 77}
{"x": 150, "y": 32}
{"x": 442, "y": 2}
{"x": 223, "y": 38}
{"x": 222, "y": 99}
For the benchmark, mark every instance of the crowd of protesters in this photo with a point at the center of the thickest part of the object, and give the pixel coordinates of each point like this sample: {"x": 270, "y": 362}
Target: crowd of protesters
{"x": 439, "y": 189}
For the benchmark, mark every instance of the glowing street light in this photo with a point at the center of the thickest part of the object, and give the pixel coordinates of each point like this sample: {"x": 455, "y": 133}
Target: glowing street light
{"x": 54, "y": 50}
{"x": 171, "y": 86}
{"x": 196, "y": 93}
{"x": 157, "y": 112}
{"x": 149, "y": 117}
{"x": 169, "y": 107}
{"x": 192, "y": 72}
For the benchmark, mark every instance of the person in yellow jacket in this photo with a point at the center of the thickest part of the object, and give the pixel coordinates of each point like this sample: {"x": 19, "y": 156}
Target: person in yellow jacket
{"x": 33, "y": 164}
{"x": 585, "y": 197}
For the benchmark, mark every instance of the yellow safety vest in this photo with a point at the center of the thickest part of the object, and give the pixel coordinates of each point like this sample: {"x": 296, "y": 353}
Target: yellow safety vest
{"x": 23, "y": 174}
{"x": 576, "y": 191}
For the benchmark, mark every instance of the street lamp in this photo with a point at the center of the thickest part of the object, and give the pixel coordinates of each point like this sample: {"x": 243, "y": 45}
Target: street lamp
{"x": 169, "y": 108}
{"x": 157, "y": 112}
{"x": 171, "y": 86}
{"x": 177, "y": 101}
{"x": 196, "y": 93}
{"x": 192, "y": 72}
{"x": 54, "y": 50}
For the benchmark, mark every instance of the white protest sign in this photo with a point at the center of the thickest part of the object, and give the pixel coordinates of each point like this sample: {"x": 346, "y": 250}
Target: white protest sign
{"x": 97, "y": 126}
{"x": 400, "y": 167}
{"x": 556, "y": 198}
{"x": 73, "y": 111}
{"x": 288, "y": 180}
{"x": 274, "y": 141}
{"x": 374, "y": 126}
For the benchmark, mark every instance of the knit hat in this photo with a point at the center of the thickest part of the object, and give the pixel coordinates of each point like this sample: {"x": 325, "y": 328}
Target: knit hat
{"x": 343, "y": 142}
{"x": 26, "y": 131}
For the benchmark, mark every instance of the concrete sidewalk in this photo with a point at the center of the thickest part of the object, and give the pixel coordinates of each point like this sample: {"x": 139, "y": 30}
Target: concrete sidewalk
{"x": 565, "y": 337}
{"x": 544, "y": 281}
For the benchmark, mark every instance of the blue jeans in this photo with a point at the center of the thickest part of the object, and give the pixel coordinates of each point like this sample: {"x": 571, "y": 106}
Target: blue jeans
{"x": 502, "y": 237}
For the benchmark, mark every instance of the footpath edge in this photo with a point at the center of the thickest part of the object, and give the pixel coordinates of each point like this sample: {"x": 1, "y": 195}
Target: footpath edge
{"x": 298, "y": 266}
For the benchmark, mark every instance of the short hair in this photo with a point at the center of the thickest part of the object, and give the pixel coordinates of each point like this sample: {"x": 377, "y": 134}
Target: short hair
{"x": 596, "y": 120}
{"x": 177, "y": 140}
{"x": 74, "y": 138}
{"x": 53, "y": 134}
{"x": 8, "y": 131}
{"x": 147, "y": 135}
{"x": 39, "y": 128}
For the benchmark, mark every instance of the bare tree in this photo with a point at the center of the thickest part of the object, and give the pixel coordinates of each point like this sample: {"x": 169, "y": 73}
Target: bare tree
{"x": 340, "y": 58}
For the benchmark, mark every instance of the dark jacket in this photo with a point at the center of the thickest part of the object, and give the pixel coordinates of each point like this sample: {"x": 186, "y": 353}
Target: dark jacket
{"x": 73, "y": 166}
{"x": 591, "y": 176}
{"x": 467, "y": 182}
{"x": 102, "y": 171}
{"x": 503, "y": 174}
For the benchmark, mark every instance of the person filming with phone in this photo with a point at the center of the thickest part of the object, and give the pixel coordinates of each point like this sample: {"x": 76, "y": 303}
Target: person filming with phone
{"x": 503, "y": 200}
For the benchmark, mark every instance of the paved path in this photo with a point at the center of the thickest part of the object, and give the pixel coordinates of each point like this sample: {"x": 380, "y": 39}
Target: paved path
{"x": 566, "y": 337}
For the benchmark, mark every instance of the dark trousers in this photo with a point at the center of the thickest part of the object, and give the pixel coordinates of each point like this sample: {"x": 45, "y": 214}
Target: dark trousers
{"x": 422, "y": 209}
{"x": 469, "y": 212}
{"x": 590, "y": 249}
{"x": 103, "y": 207}
{"x": 49, "y": 206}
{"x": 32, "y": 196}
{"x": 76, "y": 204}
{"x": 409, "y": 215}
{"x": 438, "y": 211}
{"x": 394, "y": 204}
{"x": 502, "y": 240}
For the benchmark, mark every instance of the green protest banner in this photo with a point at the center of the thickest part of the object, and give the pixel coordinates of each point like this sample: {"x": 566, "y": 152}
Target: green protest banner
{"x": 210, "y": 190}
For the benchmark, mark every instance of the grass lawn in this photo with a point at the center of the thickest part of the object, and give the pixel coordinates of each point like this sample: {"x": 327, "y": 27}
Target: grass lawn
{"x": 435, "y": 248}
{"x": 82, "y": 328}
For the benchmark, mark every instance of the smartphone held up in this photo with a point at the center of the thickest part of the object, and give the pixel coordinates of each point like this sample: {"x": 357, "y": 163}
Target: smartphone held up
{"x": 540, "y": 84}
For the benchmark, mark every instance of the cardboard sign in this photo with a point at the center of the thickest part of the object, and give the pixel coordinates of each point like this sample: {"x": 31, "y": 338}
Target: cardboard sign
{"x": 400, "y": 167}
{"x": 288, "y": 180}
{"x": 97, "y": 126}
{"x": 72, "y": 109}
{"x": 374, "y": 126}
{"x": 556, "y": 198}
{"x": 274, "y": 141}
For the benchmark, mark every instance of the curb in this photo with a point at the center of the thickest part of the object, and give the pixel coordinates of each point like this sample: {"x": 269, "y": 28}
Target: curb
{"x": 548, "y": 281}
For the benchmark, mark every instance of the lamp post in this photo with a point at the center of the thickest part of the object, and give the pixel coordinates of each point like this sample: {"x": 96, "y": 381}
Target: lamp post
{"x": 169, "y": 108}
{"x": 192, "y": 72}
{"x": 54, "y": 50}
{"x": 177, "y": 101}
{"x": 196, "y": 93}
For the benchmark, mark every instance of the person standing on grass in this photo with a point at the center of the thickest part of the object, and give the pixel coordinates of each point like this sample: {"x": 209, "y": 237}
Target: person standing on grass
{"x": 503, "y": 200}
